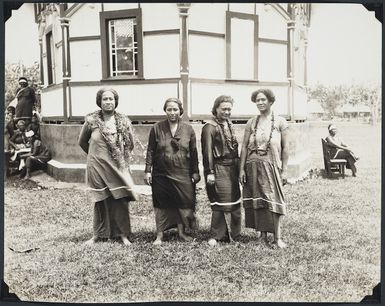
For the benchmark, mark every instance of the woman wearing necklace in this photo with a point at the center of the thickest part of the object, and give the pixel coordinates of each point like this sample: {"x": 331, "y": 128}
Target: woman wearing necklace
{"x": 221, "y": 162}
{"x": 107, "y": 138}
{"x": 263, "y": 168}
{"x": 172, "y": 171}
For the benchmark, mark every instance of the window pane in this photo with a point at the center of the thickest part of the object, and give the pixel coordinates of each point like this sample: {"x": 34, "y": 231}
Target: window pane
{"x": 123, "y": 47}
{"x": 124, "y": 32}
{"x": 125, "y": 60}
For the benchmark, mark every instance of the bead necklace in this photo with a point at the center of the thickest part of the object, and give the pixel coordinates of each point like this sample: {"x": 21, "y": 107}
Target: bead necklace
{"x": 263, "y": 152}
{"x": 230, "y": 140}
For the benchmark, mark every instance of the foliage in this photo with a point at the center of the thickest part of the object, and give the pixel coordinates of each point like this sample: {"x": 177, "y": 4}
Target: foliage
{"x": 333, "y": 97}
{"x": 13, "y": 72}
{"x": 333, "y": 237}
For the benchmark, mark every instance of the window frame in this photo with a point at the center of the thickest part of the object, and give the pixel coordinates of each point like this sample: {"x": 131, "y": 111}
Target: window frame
{"x": 255, "y": 19}
{"x": 105, "y": 16}
{"x": 50, "y": 56}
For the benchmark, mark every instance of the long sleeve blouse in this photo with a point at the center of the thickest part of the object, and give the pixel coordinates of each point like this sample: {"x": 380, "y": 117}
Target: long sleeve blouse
{"x": 167, "y": 154}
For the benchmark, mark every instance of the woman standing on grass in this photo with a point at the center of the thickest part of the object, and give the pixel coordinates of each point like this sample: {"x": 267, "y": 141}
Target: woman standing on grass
{"x": 263, "y": 167}
{"x": 107, "y": 138}
{"x": 172, "y": 171}
{"x": 221, "y": 170}
{"x": 340, "y": 150}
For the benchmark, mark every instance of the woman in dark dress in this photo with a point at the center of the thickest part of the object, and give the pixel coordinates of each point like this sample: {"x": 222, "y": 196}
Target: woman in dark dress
{"x": 107, "y": 138}
{"x": 221, "y": 162}
{"x": 338, "y": 149}
{"x": 172, "y": 171}
{"x": 263, "y": 168}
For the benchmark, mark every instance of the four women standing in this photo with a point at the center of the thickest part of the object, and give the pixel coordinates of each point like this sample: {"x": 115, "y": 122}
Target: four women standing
{"x": 172, "y": 169}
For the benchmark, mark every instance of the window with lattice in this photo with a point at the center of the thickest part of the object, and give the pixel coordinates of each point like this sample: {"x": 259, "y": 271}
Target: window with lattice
{"x": 121, "y": 36}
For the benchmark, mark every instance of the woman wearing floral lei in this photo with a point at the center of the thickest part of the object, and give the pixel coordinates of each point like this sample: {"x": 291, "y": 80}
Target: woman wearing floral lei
{"x": 263, "y": 168}
{"x": 221, "y": 162}
{"x": 107, "y": 138}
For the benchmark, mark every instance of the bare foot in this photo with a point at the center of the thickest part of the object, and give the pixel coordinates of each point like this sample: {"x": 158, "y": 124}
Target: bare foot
{"x": 212, "y": 242}
{"x": 279, "y": 244}
{"x": 91, "y": 241}
{"x": 157, "y": 241}
{"x": 125, "y": 240}
{"x": 184, "y": 237}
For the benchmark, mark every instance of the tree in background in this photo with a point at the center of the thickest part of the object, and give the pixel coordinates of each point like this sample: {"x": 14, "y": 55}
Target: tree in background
{"x": 333, "y": 97}
{"x": 13, "y": 72}
{"x": 329, "y": 97}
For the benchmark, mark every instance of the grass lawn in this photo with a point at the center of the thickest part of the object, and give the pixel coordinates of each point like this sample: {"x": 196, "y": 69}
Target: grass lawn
{"x": 332, "y": 229}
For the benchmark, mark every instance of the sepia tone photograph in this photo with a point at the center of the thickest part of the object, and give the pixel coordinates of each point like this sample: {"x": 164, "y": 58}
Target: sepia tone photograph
{"x": 192, "y": 152}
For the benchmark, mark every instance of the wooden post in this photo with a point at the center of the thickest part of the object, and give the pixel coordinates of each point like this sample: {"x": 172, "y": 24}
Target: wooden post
{"x": 66, "y": 67}
{"x": 291, "y": 28}
{"x": 184, "y": 64}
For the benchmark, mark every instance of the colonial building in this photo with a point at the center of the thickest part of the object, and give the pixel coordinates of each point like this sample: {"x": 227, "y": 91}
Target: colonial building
{"x": 151, "y": 51}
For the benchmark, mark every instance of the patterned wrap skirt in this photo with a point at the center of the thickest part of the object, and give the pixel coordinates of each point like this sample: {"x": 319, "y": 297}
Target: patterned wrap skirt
{"x": 225, "y": 199}
{"x": 262, "y": 193}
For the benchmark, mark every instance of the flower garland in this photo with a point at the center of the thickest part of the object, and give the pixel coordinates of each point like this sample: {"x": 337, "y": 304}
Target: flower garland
{"x": 263, "y": 152}
{"x": 230, "y": 139}
{"x": 120, "y": 144}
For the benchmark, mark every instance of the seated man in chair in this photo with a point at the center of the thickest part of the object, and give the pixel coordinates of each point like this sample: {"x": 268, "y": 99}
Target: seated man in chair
{"x": 340, "y": 150}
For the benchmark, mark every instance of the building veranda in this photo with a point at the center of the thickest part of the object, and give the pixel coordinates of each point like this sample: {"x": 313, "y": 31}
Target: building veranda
{"x": 151, "y": 51}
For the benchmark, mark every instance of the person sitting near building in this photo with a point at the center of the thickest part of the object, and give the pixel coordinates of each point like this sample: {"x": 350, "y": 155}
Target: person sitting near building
{"x": 26, "y": 99}
{"x": 18, "y": 144}
{"x": 340, "y": 150}
{"x": 10, "y": 125}
{"x": 37, "y": 158}
{"x": 34, "y": 125}
{"x": 19, "y": 140}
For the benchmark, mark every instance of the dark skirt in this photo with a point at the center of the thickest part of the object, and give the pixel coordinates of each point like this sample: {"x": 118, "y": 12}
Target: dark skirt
{"x": 349, "y": 157}
{"x": 167, "y": 218}
{"x": 112, "y": 218}
{"x": 226, "y": 225}
{"x": 262, "y": 194}
{"x": 225, "y": 194}
{"x": 175, "y": 192}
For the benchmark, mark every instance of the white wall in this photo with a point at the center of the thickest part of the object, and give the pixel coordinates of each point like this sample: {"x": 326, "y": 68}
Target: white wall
{"x": 160, "y": 16}
{"x": 203, "y": 96}
{"x": 86, "y": 63}
{"x": 138, "y": 99}
{"x": 272, "y": 62}
{"x": 247, "y": 8}
{"x": 271, "y": 23}
{"x": 300, "y": 102}
{"x": 242, "y": 49}
{"x": 161, "y": 56}
{"x": 52, "y": 102}
{"x": 119, "y": 6}
{"x": 85, "y": 21}
{"x": 209, "y": 17}
{"x": 207, "y": 57}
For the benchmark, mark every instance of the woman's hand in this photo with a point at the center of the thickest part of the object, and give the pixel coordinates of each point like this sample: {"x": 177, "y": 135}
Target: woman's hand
{"x": 195, "y": 177}
{"x": 242, "y": 177}
{"x": 210, "y": 179}
{"x": 148, "y": 178}
{"x": 284, "y": 177}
